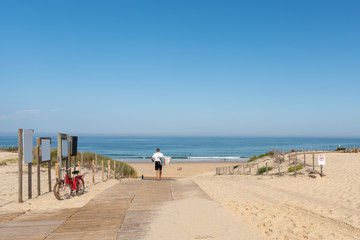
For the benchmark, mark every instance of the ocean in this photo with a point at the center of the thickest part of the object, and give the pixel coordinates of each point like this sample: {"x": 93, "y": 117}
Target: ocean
{"x": 188, "y": 149}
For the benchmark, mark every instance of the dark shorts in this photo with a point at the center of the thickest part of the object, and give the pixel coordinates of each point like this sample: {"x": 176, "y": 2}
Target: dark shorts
{"x": 158, "y": 165}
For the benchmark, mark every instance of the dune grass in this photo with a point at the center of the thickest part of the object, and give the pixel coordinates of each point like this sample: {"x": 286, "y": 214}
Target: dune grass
{"x": 88, "y": 157}
{"x": 9, "y": 149}
{"x": 5, "y": 162}
{"x": 270, "y": 153}
{"x": 298, "y": 167}
{"x": 263, "y": 169}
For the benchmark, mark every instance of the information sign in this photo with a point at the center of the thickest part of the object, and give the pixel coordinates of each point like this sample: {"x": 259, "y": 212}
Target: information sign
{"x": 28, "y": 145}
{"x": 64, "y": 147}
{"x": 321, "y": 159}
{"x": 45, "y": 150}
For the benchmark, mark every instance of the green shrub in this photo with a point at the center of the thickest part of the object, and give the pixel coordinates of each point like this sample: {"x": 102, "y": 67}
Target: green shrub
{"x": 270, "y": 153}
{"x": 263, "y": 169}
{"x": 340, "y": 149}
{"x": 298, "y": 167}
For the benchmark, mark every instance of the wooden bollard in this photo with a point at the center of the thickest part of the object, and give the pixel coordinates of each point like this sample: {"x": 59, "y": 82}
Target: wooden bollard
{"x": 250, "y": 168}
{"x": 243, "y": 168}
{"x": 119, "y": 170}
{"x": 257, "y": 167}
{"x": 266, "y": 169}
{"x": 109, "y": 169}
{"x": 102, "y": 170}
{"x": 114, "y": 169}
{"x": 93, "y": 172}
{"x": 79, "y": 167}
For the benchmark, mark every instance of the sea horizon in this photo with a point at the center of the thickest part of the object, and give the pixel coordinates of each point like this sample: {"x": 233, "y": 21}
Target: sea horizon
{"x": 194, "y": 148}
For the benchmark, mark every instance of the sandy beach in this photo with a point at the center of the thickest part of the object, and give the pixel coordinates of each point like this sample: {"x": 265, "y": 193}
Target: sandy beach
{"x": 273, "y": 207}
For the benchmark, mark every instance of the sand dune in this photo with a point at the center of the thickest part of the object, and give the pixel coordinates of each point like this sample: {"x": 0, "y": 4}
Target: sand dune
{"x": 294, "y": 208}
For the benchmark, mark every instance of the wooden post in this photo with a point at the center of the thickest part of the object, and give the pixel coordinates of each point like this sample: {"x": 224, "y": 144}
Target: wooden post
{"x": 69, "y": 157}
{"x": 266, "y": 169}
{"x": 109, "y": 169}
{"x": 250, "y": 167}
{"x": 93, "y": 172}
{"x": 321, "y": 170}
{"x": 313, "y": 162}
{"x": 29, "y": 180}
{"x": 289, "y": 157}
{"x": 295, "y": 164}
{"x": 243, "y": 168}
{"x": 122, "y": 169}
{"x": 20, "y": 164}
{"x": 38, "y": 165}
{"x": 58, "y": 157}
{"x": 304, "y": 160}
{"x": 78, "y": 163}
{"x": 279, "y": 167}
{"x": 102, "y": 170}
{"x": 96, "y": 162}
{"x": 119, "y": 170}
{"x": 114, "y": 169}
{"x": 257, "y": 165}
{"x": 82, "y": 161}
{"x": 57, "y": 174}
{"x": 49, "y": 174}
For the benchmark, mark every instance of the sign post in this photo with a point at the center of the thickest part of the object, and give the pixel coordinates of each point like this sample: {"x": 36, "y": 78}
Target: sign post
{"x": 20, "y": 164}
{"x": 28, "y": 156}
{"x": 45, "y": 156}
{"x": 321, "y": 161}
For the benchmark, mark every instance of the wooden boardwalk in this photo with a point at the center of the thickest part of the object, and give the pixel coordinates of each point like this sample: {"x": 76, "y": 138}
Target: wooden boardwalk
{"x": 123, "y": 211}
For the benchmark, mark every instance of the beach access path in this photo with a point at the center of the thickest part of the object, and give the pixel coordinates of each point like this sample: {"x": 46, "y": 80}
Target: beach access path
{"x": 133, "y": 209}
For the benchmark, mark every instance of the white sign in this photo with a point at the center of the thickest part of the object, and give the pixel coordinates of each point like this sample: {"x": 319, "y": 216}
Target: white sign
{"x": 64, "y": 148}
{"x": 45, "y": 150}
{"x": 28, "y": 145}
{"x": 321, "y": 159}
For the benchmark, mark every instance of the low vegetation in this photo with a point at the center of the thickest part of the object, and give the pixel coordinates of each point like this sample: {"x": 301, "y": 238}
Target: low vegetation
{"x": 263, "y": 169}
{"x": 5, "y": 162}
{"x": 340, "y": 149}
{"x": 298, "y": 167}
{"x": 270, "y": 153}
{"x": 88, "y": 157}
{"x": 9, "y": 149}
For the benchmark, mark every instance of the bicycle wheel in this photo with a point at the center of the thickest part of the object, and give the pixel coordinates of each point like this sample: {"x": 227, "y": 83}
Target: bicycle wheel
{"x": 80, "y": 186}
{"x": 62, "y": 190}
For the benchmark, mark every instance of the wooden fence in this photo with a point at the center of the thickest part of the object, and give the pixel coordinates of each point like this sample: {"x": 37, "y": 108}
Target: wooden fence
{"x": 278, "y": 165}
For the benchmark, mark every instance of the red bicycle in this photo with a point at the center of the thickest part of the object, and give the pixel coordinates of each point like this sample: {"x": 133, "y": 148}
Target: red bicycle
{"x": 64, "y": 188}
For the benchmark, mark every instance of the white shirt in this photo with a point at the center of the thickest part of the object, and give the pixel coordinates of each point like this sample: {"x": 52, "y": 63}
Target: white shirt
{"x": 157, "y": 156}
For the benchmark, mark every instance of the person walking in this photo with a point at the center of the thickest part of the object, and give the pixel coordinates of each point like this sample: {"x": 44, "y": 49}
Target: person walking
{"x": 157, "y": 158}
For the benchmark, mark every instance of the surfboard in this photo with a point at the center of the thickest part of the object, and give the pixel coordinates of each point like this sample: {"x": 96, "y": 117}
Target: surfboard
{"x": 167, "y": 160}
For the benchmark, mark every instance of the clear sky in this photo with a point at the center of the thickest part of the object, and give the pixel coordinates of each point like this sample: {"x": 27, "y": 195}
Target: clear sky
{"x": 233, "y": 68}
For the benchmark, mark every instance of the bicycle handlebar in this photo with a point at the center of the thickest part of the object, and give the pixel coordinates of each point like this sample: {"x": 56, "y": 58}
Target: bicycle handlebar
{"x": 73, "y": 166}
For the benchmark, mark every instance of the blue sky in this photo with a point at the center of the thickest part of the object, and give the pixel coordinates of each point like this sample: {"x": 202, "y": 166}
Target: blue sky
{"x": 230, "y": 68}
